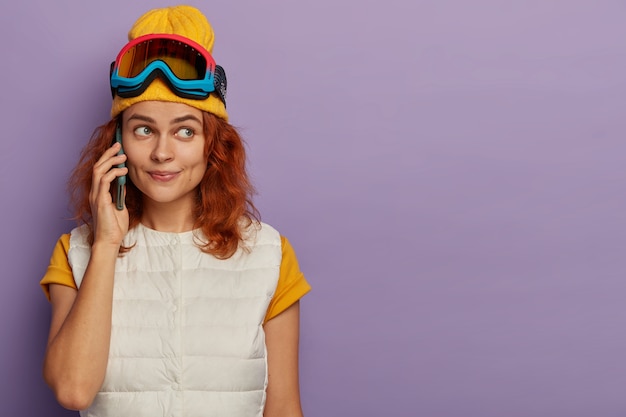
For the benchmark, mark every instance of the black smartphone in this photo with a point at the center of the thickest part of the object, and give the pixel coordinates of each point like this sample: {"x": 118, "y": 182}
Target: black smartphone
{"x": 120, "y": 181}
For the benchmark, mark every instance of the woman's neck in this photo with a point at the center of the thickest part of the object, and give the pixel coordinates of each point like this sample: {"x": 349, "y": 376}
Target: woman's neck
{"x": 168, "y": 217}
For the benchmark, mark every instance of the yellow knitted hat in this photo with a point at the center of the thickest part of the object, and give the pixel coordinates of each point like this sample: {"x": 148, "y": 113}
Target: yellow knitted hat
{"x": 185, "y": 21}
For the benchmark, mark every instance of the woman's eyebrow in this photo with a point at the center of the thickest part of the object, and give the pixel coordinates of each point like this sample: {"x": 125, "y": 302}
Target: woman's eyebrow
{"x": 185, "y": 118}
{"x": 142, "y": 118}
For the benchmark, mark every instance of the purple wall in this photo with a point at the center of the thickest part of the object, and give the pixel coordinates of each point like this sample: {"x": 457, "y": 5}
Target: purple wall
{"x": 450, "y": 173}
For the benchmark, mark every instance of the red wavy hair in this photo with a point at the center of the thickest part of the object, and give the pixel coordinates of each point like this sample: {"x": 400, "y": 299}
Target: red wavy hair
{"x": 224, "y": 205}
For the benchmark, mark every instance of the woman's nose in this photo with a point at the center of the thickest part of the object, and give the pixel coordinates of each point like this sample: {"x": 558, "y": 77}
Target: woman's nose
{"x": 162, "y": 151}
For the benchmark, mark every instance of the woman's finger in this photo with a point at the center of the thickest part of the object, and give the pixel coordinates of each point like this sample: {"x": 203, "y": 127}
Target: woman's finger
{"x": 104, "y": 172}
{"x": 109, "y": 158}
{"x": 104, "y": 184}
{"x": 107, "y": 161}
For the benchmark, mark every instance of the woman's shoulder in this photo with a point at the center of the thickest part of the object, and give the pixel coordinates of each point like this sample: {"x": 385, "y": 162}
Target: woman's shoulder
{"x": 79, "y": 236}
{"x": 256, "y": 233}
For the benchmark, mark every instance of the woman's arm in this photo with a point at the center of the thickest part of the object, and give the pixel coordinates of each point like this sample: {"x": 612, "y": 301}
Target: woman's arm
{"x": 80, "y": 329}
{"x": 281, "y": 338}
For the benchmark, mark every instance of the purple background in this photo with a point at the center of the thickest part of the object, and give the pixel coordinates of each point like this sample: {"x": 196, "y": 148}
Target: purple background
{"x": 450, "y": 173}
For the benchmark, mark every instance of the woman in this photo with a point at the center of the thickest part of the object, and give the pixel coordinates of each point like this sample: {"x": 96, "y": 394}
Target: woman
{"x": 171, "y": 299}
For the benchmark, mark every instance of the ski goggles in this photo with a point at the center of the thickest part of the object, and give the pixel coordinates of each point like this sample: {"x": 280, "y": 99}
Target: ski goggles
{"x": 184, "y": 65}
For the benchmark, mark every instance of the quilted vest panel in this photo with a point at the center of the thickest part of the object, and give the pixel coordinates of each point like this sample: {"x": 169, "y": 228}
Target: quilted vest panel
{"x": 187, "y": 334}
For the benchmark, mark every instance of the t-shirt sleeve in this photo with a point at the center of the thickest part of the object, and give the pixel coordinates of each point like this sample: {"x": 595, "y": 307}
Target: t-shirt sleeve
{"x": 59, "y": 270}
{"x": 291, "y": 282}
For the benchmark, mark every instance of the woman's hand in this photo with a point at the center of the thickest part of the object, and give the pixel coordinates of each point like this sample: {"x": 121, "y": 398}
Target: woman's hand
{"x": 110, "y": 224}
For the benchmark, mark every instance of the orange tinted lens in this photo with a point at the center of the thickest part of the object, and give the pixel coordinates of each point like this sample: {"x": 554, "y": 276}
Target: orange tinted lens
{"x": 185, "y": 62}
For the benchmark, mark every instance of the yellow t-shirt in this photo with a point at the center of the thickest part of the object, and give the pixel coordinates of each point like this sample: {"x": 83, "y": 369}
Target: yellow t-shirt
{"x": 290, "y": 288}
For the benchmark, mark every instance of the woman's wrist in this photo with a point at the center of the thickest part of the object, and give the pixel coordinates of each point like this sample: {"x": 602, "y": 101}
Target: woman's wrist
{"x": 105, "y": 248}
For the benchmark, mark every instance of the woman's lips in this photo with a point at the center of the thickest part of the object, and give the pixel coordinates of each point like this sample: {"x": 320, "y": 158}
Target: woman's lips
{"x": 162, "y": 176}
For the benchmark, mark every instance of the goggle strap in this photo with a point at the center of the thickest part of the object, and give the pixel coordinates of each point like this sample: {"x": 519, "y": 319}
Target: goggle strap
{"x": 110, "y": 75}
{"x": 219, "y": 82}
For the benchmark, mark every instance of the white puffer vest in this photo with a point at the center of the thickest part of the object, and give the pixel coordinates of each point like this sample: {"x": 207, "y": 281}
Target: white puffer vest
{"x": 187, "y": 334}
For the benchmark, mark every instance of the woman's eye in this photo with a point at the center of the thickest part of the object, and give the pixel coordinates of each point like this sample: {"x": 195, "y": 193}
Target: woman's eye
{"x": 185, "y": 133}
{"x": 143, "y": 131}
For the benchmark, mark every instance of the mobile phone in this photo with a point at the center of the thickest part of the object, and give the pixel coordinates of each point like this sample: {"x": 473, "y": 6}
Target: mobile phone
{"x": 120, "y": 181}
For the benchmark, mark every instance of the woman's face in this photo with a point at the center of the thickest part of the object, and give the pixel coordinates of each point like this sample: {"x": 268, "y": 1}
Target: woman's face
{"x": 164, "y": 143}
